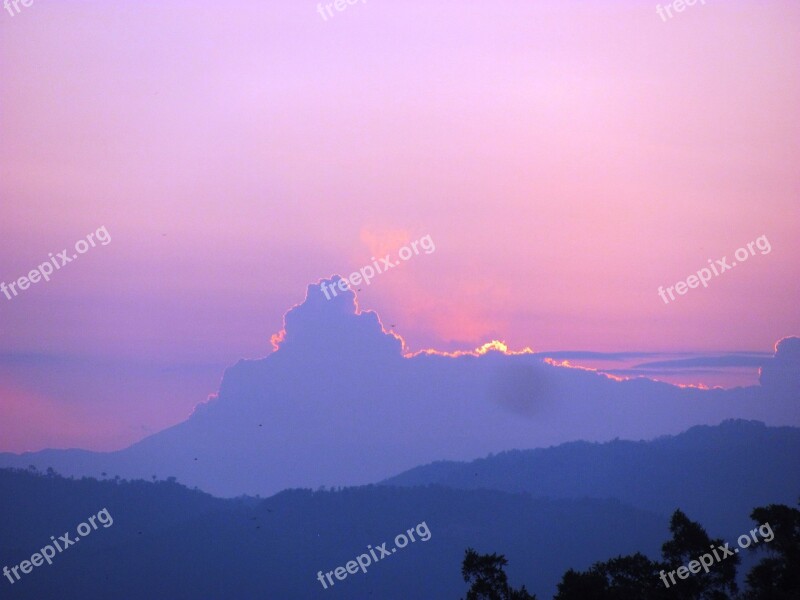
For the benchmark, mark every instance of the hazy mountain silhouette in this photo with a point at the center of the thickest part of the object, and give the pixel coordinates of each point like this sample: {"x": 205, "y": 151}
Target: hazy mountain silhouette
{"x": 169, "y": 542}
{"x": 338, "y": 403}
{"x": 717, "y": 474}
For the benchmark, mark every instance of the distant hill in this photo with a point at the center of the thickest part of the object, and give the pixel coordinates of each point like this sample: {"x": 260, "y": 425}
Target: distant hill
{"x": 546, "y": 510}
{"x": 170, "y": 542}
{"x": 35, "y": 506}
{"x": 715, "y": 474}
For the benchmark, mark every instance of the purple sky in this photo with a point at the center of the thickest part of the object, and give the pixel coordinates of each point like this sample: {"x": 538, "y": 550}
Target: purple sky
{"x": 567, "y": 158}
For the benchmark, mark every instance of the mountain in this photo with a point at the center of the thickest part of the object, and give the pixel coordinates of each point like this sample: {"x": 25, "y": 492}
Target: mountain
{"x": 170, "y": 542}
{"x": 339, "y": 403}
{"x": 716, "y": 474}
{"x": 547, "y": 510}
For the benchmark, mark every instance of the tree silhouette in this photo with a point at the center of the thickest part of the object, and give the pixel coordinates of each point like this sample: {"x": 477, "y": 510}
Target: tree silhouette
{"x": 589, "y": 585}
{"x": 636, "y": 577}
{"x": 488, "y": 577}
{"x": 689, "y": 541}
{"x": 777, "y": 577}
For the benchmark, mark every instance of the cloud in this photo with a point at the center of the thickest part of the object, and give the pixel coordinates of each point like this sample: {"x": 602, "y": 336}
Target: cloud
{"x": 730, "y": 360}
{"x": 100, "y": 403}
{"x": 586, "y": 355}
{"x": 320, "y": 324}
{"x": 781, "y": 375}
{"x": 341, "y": 402}
{"x": 31, "y": 420}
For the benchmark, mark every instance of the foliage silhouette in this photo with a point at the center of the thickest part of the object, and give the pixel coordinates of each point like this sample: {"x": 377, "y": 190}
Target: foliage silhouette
{"x": 488, "y": 577}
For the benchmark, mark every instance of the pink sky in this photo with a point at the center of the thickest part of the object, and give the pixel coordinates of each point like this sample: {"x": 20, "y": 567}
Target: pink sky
{"x": 567, "y": 158}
